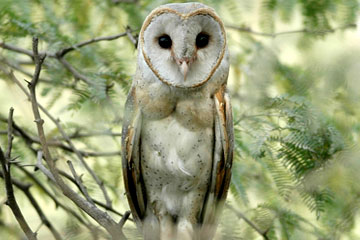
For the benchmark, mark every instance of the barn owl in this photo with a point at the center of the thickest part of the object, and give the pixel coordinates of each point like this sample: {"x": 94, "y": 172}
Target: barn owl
{"x": 177, "y": 137}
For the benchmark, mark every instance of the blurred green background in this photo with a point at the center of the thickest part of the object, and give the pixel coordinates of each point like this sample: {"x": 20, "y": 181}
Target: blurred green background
{"x": 295, "y": 87}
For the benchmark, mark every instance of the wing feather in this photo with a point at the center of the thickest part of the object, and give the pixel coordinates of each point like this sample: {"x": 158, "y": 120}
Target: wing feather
{"x": 222, "y": 162}
{"x": 134, "y": 184}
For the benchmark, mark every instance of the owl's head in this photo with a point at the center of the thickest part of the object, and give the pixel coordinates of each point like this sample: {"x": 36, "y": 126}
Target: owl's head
{"x": 183, "y": 44}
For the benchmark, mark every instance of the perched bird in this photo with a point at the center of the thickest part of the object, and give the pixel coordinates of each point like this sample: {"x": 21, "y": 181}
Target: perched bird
{"x": 177, "y": 137}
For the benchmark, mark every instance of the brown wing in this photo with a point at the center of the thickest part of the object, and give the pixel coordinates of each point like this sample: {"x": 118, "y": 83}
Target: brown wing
{"x": 130, "y": 143}
{"x": 222, "y": 162}
{"x": 223, "y": 168}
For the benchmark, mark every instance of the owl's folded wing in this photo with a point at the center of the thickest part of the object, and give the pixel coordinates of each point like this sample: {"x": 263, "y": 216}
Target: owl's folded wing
{"x": 133, "y": 180}
{"x": 222, "y": 160}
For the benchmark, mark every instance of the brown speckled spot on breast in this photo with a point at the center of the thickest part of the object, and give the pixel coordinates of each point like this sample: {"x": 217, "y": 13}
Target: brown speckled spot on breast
{"x": 195, "y": 114}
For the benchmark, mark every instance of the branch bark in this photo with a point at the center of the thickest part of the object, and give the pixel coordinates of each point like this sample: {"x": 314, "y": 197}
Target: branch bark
{"x": 306, "y": 31}
{"x": 5, "y": 161}
{"x": 250, "y": 223}
{"x": 99, "y": 216}
{"x": 25, "y": 188}
{"x": 59, "y": 55}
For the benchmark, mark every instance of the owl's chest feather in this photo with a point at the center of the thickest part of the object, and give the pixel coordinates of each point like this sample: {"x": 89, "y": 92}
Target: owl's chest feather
{"x": 192, "y": 110}
{"x": 174, "y": 156}
{"x": 175, "y": 149}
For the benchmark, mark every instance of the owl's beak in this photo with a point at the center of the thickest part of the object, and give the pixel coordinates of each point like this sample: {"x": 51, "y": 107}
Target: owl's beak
{"x": 184, "y": 65}
{"x": 184, "y": 68}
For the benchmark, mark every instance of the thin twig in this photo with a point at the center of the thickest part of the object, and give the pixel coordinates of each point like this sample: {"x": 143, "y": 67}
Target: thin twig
{"x": 23, "y": 71}
{"x": 25, "y": 188}
{"x": 100, "y": 216}
{"x": 64, "y": 51}
{"x": 59, "y": 55}
{"x": 16, "y": 49}
{"x": 74, "y": 72}
{"x": 78, "y": 134}
{"x": 10, "y": 133}
{"x": 64, "y": 135}
{"x": 42, "y": 168}
{"x": 306, "y": 31}
{"x": 71, "y": 179}
{"x": 131, "y": 37}
{"x": 124, "y": 219}
{"x": 11, "y": 200}
{"x": 250, "y": 223}
{"x": 79, "y": 183}
{"x": 55, "y": 199}
{"x": 56, "y": 143}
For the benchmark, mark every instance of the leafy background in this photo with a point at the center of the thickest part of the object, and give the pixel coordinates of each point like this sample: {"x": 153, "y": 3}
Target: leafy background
{"x": 295, "y": 99}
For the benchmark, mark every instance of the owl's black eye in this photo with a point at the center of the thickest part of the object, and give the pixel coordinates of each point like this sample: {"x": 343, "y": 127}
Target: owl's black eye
{"x": 202, "y": 40}
{"x": 165, "y": 41}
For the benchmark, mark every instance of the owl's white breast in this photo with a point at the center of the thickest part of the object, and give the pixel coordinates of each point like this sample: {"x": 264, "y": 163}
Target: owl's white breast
{"x": 176, "y": 160}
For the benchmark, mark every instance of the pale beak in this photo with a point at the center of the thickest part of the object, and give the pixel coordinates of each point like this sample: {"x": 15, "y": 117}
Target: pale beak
{"x": 184, "y": 65}
{"x": 184, "y": 68}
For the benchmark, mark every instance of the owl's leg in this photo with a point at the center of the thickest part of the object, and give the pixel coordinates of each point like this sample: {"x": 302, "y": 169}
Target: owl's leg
{"x": 185, "y": 230}
{"x": 192, "y": 203}
{"x": 167, "y": 230}
{"x": 151, "y": 227}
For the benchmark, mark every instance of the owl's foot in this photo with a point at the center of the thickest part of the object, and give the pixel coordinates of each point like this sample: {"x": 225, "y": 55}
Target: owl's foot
{"x": 185, "y": 230}
{"x": 166, "y": 228}
{"x": 151, "y": 228}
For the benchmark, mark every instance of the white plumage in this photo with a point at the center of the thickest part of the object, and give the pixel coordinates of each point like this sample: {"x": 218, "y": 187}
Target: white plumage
{"x": 177, "y": 133}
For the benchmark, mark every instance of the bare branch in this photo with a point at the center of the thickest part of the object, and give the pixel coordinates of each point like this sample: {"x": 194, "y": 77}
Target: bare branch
{"x": 101, "y": 217}
{"x": 16, "y": 49}
{"x": 10, "y": 134}
{"x": 74, "y": 72}
{"x": 124, "y": 218}
{"x": 64, "y": 135}
{"x": 79, "y": 183}
{"x": 131, "y": 37}
{"x": 67, "y": 176}
{"x": 11, "y": 200}
{"x": 250, "y": 223}
{"x": 42, "y": 168}
{"x": 61, "y": 53}
{"x": 55, "y": 199}
{"x": 78, "y": 134}
{"x": 64, "y": 51}
{"x": 56, "y": 143}
{"x": 124, "y": 1}
{"x": 25, "y": 188}
{"x": 99, "y": 182}
{"x": 306, "y": 31}
{"x": 23, "y": 71}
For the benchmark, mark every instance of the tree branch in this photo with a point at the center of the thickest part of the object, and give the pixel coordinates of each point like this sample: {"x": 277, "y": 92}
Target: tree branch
{"x": 23, "y": 71}
{"x": 78, "y": 181}
{"x": 25, "y": 188}
{"x": 55, "y": 199}
{"x": 59, "y": 55}
{"x": 250, "y": 223}
{"x": 10, "y": 134}
{"x": 101, "y": 217}
{"x": 306, "y": 31}
{"x": 11, "y": 200}
{"x": 58, "y": 144}
{"x": 16, "y": 49}
{"x": 67, "y": 176}
{"x": 64, "y": 51}
{"x": 133, "y": 39}
{"x": 124, "y": 218}
{"x": 74, "y": 72}
{"x": 67, "y": 139}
